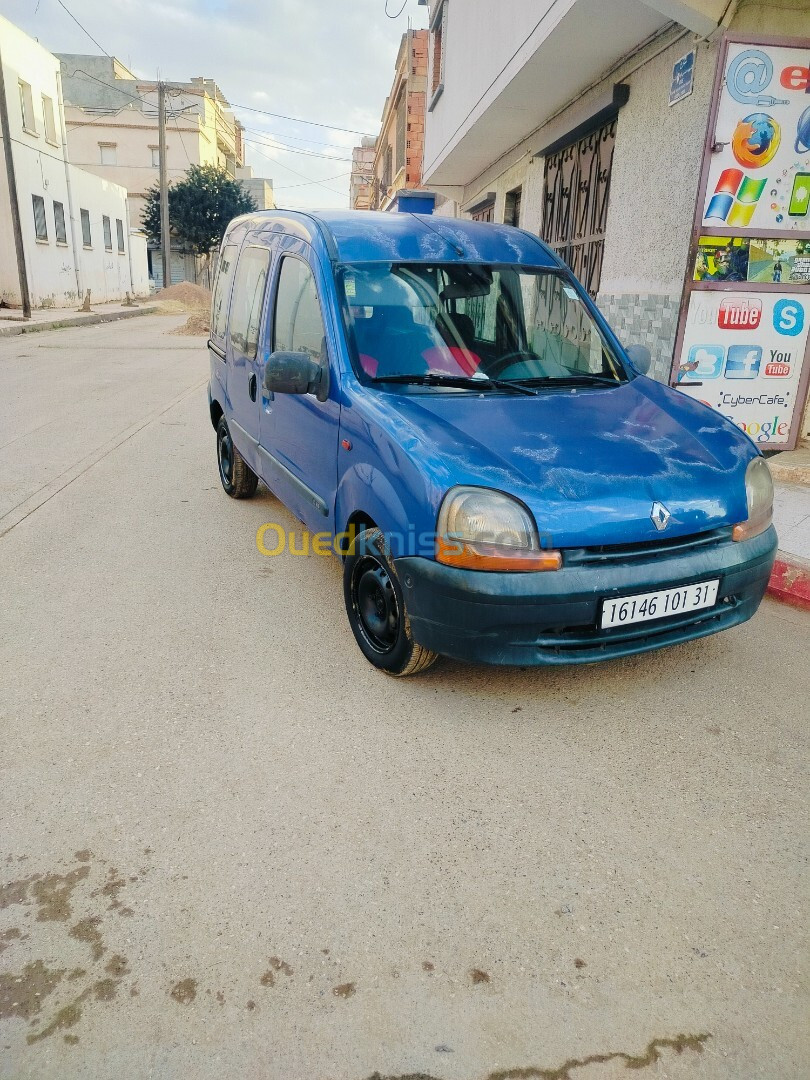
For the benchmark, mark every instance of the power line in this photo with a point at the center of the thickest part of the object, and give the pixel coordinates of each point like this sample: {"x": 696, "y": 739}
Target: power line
{"x": 292, "y": 150}
{"x": 231, "y": 105}
{"x": 180, "y": 137}
{"x": 295, "y": 138}
{"x": 132, "y": 97}
{"x": 288, "y": 187}
{"x": 298, "y": 120}
{"x": 86, "y": 31}
{"x": 98, "y": 122}
{"x": 295, "y": 172}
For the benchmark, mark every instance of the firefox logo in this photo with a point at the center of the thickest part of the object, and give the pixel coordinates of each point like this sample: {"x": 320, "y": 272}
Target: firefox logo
{"x": 755, "y": 140}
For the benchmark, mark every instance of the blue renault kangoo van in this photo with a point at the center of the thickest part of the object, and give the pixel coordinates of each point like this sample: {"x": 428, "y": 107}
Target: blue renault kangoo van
{"x": 504, "y": 484}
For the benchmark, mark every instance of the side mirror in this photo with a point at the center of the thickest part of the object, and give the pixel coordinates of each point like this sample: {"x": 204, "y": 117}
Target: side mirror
{"x": 640, "y": 357}
{"x": 296, "y": 373}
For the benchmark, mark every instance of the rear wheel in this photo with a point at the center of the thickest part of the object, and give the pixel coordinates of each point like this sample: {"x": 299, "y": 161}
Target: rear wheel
{"x": 376, "y": 609}
{"x": 238, "y": 479}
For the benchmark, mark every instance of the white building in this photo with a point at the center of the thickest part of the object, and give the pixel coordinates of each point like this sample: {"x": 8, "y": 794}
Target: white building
{"x": 259, "y": 187}
{"x": 584, "y": 121}
{"x": 74, "y": 225}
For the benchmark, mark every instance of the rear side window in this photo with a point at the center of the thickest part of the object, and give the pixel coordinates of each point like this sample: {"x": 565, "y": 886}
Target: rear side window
{"x": 248, "y": 294}
{"x": 299, "y": 323}
{"x": 222, "y": 287}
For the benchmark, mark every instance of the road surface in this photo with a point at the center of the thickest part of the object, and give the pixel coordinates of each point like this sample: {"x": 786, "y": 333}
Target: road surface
{"x": 231, "y": 849}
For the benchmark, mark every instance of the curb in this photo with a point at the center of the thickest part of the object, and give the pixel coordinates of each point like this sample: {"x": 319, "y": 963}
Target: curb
{"x": 82, "y": 320}
{"x": 790, "y": 581}
{"x": 790, "y": 474}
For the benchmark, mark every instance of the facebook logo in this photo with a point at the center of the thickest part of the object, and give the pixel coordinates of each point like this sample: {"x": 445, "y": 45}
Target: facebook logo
{"x": 743, "y": 361}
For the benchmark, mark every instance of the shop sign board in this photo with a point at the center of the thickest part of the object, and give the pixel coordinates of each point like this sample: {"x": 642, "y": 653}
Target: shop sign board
{"x": 746, "y": 352}
{"x": 742, "y": 344}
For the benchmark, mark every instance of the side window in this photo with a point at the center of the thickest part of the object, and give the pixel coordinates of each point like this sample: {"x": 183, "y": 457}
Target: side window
{"x": 248, "y": 296}
{"x": 299, "y": 322}
{"x": 222, "y": 287}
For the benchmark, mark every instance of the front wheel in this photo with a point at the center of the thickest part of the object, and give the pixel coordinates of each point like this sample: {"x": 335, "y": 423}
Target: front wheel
{"x": 376, "y": 609}
{"x": 237, "y": 477}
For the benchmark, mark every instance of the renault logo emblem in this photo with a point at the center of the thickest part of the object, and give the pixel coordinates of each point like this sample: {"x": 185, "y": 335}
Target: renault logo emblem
{"x": 660, "y": 516}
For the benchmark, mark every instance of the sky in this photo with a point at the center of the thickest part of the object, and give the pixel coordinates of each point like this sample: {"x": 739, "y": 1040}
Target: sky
{"x": 328, "y": 61}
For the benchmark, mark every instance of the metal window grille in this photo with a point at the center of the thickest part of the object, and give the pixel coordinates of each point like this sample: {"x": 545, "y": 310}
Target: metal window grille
{"x": 402, "y": 105}
{"x": 388, "y": 168}
{"x": 87, "y": 238}
{"x": 59, "y": 223}
{"x": 105, "y": 224}
{"x": 511, "y": 214}
{"x": 40, "y": 224}
{"x": 484, "y": 213}
{"x": 439, "y": 31}
{"x": 575, "y": 196}
{"x": 119, "y": 229}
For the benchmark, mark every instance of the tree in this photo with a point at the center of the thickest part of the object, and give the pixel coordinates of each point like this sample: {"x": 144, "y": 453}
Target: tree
{"x": 200, "y": 207}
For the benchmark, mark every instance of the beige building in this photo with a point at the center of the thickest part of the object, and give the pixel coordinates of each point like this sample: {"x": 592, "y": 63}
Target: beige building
{"x": 111, "y": 119}
{"x": 361, "y": 192}
{"x": 398, "y": 150}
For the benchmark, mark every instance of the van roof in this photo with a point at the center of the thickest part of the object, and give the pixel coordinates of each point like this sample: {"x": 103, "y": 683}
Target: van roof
{"x": 354, "y": 236}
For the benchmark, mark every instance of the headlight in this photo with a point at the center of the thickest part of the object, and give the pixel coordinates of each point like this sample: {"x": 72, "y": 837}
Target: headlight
{"x": 486, "y": 530}
{"x": 759, "y": 494}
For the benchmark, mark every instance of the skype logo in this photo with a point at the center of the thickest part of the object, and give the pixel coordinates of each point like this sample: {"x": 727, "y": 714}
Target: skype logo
{"x": 788, "y": 318}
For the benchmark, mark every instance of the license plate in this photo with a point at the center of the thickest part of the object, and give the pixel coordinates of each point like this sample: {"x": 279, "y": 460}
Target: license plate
{"x": 643, "y": 607}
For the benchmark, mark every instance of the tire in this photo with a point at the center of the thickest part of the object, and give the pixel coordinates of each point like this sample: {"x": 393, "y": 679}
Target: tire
{"x": 238, "y": 479}
{"x": 376, "y": 609}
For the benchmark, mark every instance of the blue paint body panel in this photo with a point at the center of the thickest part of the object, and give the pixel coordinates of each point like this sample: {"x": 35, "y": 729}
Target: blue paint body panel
{"x": 587, "y": 462}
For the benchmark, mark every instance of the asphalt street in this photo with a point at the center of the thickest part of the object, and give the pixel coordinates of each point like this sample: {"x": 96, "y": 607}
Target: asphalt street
{"x": 230, "y": 848}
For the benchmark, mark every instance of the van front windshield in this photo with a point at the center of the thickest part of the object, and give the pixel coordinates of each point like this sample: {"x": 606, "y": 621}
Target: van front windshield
{"x": 456, "y": 324}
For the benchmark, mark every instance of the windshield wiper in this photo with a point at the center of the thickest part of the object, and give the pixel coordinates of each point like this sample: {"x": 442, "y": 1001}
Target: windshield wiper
{"x": 568, "y": 380}
{"x": 463, "y": 382}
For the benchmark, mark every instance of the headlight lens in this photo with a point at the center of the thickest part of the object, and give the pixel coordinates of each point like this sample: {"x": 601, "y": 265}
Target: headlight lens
{"x": 487, "y": 530}
{"x": 759, "y": 494}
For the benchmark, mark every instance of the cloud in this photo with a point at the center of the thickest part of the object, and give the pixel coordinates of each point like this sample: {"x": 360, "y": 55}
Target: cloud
{"x": 322, "y": 60}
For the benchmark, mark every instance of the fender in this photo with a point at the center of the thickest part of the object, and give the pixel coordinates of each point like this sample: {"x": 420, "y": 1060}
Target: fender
{"x": 366, "y": 490}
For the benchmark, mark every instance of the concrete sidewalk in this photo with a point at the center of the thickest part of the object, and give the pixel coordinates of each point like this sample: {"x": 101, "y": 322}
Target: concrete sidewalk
{"x": 790, "y": 580}
{"x": 12, "y": 322}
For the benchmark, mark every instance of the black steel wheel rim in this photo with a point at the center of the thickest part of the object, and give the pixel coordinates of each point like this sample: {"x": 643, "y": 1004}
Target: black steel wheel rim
{"x": 225, "y": 454}
{"x": 374, "y": 603}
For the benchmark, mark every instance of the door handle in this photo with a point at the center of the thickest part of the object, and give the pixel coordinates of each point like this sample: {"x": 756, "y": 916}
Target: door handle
{"x": 252, "y": 387}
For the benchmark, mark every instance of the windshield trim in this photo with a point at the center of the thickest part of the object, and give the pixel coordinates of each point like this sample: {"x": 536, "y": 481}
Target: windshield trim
{"x": 612, "y": 346}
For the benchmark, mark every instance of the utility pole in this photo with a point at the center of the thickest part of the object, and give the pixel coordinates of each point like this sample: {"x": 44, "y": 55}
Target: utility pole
{"x": 164, "y": 189}
{"x": 14, "y": 203}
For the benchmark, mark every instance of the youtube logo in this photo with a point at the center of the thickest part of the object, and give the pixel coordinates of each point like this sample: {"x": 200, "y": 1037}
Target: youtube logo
{"x": 777, "y": 369}
{"x": 739, "y": 313}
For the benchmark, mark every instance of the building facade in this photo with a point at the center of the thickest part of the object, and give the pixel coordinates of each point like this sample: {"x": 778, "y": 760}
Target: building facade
{"x": 362, "y": 183}
{"x": 112, "y": 126}
{"x": 585, "y": 123}
{"x": 260, "y": 188}
{"x": 75, "y": 227}
{"x": 398, "y": 149}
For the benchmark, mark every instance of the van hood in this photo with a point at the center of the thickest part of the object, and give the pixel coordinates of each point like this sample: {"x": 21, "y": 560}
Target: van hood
{"x": 589, "y": 463}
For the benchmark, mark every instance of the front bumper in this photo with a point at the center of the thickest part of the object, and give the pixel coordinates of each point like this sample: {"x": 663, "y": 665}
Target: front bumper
{"x": 553, "y": 617}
